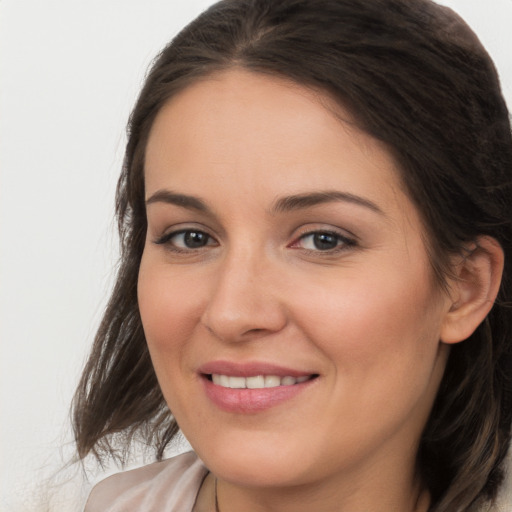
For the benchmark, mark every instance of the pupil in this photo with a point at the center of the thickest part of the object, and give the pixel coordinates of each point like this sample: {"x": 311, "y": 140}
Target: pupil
{"x": 324, "y": 241}
{"x": 194, "y": 239}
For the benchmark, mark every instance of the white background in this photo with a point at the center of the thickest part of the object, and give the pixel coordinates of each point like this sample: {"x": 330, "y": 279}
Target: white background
{"x": 70, "y": 71}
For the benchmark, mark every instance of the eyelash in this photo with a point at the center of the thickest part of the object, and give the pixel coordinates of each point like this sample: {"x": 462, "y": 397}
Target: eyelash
{"x": 167, "y": 240}
{"x": 342, "y": 242}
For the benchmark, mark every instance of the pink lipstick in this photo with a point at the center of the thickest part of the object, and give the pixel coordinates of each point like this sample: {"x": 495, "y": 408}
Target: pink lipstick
{"x": 252, "y": 387}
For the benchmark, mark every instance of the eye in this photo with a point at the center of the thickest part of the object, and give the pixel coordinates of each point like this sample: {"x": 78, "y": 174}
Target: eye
{"x": 186, "y": 240}
{"x": 323, "y": 241}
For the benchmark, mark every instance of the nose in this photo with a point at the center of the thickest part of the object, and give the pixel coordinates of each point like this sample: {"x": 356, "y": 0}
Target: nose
{"x": 244, "y": 302}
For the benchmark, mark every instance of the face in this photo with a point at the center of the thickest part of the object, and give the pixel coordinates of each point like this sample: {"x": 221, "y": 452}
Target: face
{"x": 285, "y": 291}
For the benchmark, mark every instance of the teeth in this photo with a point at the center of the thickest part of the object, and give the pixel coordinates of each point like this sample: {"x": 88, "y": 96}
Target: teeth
{"x": 237, "y": 382}
{"x": 256, "y": 382}
{"x": 272, "y": 381}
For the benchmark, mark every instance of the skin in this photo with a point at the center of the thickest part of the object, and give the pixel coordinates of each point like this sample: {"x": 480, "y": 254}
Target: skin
{"x": 365, "y": 316}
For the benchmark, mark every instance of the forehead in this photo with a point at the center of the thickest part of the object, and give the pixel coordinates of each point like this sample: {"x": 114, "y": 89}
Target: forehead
{"x": 264, "y": 134}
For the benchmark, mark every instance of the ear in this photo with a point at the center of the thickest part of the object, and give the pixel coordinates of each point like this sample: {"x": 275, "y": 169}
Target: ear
{"x": 473, "y": 289}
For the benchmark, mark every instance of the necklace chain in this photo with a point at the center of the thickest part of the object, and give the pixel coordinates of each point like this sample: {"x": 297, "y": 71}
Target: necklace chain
{"x": 217, "y": 509}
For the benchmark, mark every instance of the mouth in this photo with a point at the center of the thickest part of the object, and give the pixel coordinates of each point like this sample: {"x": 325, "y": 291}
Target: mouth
{"x": 256, "y": 381}
{"x": 252, "y": 388}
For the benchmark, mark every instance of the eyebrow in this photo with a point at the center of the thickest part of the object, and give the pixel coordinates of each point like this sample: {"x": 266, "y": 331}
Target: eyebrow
{"x": 309, "y": 199}
{"x": 183, "y": 200}
{"x": 280, "y": 205}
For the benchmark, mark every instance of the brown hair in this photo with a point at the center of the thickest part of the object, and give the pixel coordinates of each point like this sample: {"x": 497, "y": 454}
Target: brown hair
{"x": 415, "y": 77}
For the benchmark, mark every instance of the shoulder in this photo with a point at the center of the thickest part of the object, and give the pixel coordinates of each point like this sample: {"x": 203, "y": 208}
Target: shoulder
{"x": 170, "y": 483}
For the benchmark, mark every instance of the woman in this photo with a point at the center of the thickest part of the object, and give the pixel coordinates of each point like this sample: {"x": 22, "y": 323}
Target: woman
{"x": 315, "y": 212}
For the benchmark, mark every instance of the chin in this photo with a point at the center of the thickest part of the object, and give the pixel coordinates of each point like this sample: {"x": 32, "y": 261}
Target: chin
{"x": 256, "y": 463}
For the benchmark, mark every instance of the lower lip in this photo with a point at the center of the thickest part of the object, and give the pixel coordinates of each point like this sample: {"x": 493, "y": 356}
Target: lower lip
{"x": 247, "y": 401}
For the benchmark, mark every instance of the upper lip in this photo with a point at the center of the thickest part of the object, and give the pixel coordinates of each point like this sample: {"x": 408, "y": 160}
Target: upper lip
{"x": 249, "y": 369}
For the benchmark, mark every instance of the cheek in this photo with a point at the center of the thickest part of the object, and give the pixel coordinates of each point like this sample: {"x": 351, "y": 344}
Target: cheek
{"x": 169, "y": 311}
{"x": 382, "y": 345}
{"x": 380, "y": 332}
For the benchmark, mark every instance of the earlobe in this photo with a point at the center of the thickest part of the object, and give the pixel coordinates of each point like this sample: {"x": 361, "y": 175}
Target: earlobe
{"x": 473, "y": 289}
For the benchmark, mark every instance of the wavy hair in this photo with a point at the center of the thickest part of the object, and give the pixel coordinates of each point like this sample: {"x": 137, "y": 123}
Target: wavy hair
{"x": 414, "y": 76}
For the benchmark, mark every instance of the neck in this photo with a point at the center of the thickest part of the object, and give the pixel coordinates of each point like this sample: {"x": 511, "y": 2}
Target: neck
{"x": 226, "y": 497}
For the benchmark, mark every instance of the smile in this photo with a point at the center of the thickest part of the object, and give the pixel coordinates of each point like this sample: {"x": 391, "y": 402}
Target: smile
{"x": 257, "y": 381}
